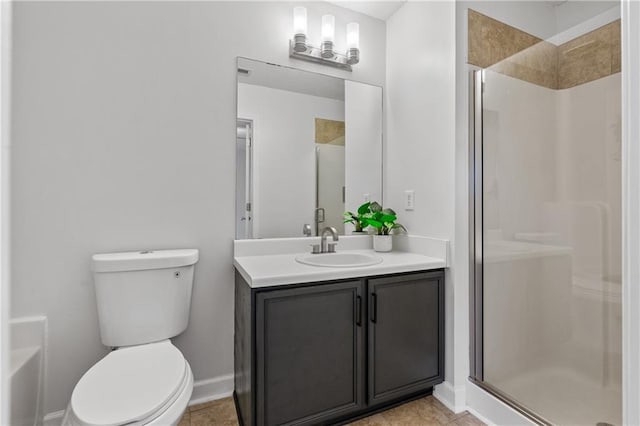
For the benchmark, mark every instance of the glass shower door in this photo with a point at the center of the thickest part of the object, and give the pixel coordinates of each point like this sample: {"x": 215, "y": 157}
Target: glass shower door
{"x": 548, "y": 172}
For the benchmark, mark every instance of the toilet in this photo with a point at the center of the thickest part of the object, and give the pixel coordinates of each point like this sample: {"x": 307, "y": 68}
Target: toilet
{"x": 143, "y": 300}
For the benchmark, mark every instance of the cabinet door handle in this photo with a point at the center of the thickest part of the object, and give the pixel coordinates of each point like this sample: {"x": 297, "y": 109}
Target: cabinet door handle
{"x": 374, "y": 307}
{"x": 359, "y": 311}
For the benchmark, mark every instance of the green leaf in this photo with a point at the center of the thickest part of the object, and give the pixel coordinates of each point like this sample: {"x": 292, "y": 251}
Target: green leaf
{"x": 374, "y": 223}
{"x": 388, "y": 218}
{"x": 375, "y": 207}
{"x": 388, "y": 211}
{"x": 364, "y": 208}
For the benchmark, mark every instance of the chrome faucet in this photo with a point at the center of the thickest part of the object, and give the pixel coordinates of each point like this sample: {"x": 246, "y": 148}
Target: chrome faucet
{"x": 328, "y": 248}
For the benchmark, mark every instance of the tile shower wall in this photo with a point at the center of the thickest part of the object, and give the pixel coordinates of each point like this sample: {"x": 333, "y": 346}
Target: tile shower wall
{"x": 590, "y": 56}
{"x": 513, "y": 52}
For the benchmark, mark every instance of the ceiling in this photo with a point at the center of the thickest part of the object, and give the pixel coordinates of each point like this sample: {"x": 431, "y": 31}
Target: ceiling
{"x": 377, "y": 9}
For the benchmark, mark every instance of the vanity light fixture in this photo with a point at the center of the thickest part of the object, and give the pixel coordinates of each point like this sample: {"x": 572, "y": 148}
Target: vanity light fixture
{"x": 328, "y": 36}
{"x": 353, "y": 43}
{"x": 326, "y": 53}
{"x": 300, "y": 29}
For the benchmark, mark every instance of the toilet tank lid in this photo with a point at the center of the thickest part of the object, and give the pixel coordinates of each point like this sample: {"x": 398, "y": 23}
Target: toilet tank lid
{"x": 143, "y": 260}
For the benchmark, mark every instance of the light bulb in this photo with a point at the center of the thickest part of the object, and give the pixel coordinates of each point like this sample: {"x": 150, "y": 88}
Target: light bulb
{"x": 299, "y": 29}
{"x": 353, "y": 35}
{"x": 328, "y": 28}
{"x": 300, "y": 20}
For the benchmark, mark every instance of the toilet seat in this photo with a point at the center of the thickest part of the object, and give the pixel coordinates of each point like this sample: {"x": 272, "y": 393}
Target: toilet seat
{"x": 132, "y": 385}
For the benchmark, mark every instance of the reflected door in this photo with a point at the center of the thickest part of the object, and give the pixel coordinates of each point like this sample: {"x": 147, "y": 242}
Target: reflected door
{"x": 330, "y": 187}
{"x": 244, "y": 202}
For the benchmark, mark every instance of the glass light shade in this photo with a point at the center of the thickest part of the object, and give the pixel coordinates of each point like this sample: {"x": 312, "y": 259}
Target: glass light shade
{"x": 328, "y": 28}
{"x": 353, "y": 35}
{"x": 300, "y": 20}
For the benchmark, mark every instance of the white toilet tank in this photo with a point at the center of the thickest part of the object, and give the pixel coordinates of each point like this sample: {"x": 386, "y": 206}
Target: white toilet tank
{"x": 143, "y": 297}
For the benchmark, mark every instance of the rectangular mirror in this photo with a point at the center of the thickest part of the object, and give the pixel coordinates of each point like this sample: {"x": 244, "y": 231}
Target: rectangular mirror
{"x": 308, "y": 148}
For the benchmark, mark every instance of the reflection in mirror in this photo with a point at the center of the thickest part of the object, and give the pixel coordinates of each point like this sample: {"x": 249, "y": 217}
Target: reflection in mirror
{"x": 243, "y": 178}
{"x": 308, "y": 148}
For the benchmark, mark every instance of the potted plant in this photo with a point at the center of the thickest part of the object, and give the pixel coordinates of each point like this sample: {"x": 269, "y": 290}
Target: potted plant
{"x": 358, "y": 220}
{"x": 384, "y": 222}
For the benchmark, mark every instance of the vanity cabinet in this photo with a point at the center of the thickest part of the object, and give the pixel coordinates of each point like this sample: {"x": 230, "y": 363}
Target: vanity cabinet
{"x": 405, "y": 351}
{"x": 309, "y": 353}
{"x": 322, "y": 353}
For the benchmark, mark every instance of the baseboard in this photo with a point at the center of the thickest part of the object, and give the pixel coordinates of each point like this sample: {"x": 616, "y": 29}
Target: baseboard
{"x": 53, "y": 419}
{"x": 453, "y": 397}
{"x": 479, "y": 416}
{"x": 212, "y": 389}
{"x": 490, "y": 410}
{"x": 203, "y": 391}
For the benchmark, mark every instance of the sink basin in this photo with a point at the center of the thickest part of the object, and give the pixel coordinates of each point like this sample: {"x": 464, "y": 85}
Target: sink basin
{"x": 339, "y": 260}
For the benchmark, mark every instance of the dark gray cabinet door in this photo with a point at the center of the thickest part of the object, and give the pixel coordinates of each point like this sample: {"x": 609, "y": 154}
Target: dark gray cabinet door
{"x": 310, "y": 353}
{"x": 405, "y": 335}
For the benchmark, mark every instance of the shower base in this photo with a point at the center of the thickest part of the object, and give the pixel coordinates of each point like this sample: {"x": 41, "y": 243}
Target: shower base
{"x": 565, "y": 397}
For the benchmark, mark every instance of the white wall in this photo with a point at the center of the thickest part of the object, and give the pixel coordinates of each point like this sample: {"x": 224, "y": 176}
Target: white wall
{"x": 574, "y": 12}
{"x": 284, "y": 157}
{"x": 420, "y": 146}
{"x": 420, "y": 106}
{"x": 124, "y": 130}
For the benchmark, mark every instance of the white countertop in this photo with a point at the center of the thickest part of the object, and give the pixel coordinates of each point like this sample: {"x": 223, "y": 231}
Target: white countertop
{"x": 281, "y": 269}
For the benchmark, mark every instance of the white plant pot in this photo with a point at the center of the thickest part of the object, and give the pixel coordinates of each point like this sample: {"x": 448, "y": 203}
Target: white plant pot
{"x": 358, "y": 233}
{"x": 382, "y": 243}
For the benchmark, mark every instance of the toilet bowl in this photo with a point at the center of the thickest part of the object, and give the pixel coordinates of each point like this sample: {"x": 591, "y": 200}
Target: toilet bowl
{"x": 139, "y": 385}
{"x": 143, "y": 300}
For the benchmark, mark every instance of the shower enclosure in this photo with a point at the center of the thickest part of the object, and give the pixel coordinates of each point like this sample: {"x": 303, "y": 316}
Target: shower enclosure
{"x": 546, "y": 228}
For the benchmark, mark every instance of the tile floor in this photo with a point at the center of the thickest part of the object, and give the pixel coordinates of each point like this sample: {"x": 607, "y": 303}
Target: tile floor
{"x": 424, "y": 411}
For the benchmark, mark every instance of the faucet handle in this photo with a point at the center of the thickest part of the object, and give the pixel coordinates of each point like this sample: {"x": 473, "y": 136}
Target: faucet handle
{"x": 315, "y": 248}
{"x": 332, "y": 247}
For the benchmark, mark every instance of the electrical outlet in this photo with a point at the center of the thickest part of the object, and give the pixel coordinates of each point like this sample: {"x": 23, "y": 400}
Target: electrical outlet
{"x": 366, "y": 197}
{"x": 409, "y": 199}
